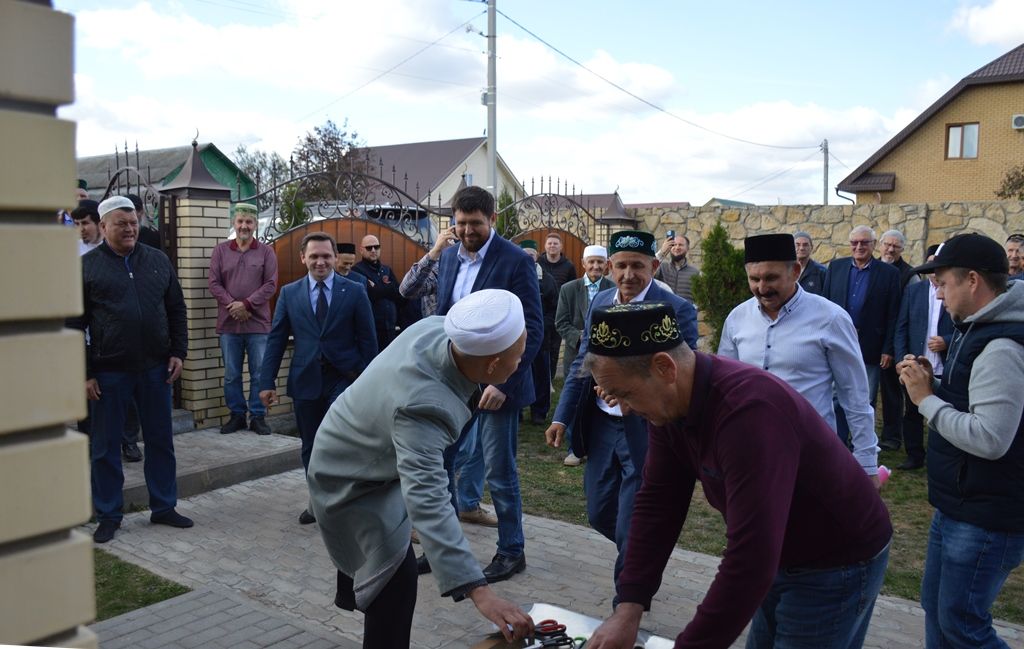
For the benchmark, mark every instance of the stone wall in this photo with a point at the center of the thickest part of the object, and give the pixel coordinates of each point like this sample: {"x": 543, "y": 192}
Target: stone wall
{"x": 923, "y": 224}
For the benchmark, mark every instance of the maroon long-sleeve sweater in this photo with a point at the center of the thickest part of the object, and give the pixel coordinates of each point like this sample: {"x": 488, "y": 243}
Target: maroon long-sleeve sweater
{"x": 791, "y": 494}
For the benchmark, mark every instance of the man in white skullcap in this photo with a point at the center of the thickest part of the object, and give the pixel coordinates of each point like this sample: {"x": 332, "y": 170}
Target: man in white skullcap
{"x": 377, "y": 467}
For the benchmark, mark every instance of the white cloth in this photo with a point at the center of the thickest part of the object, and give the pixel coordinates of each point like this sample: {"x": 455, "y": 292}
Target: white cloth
{"x": 115, "y": 203}
{"x": 934, "y": 313}
{"x": 486, "y": 322}
{"x": 595, "y": 251}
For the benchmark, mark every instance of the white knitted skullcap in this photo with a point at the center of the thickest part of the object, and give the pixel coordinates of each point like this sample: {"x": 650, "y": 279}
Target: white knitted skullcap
{"x": 595, "y": 251}
{"x": 115, "y": 203}
{"x": 486, "y": 322}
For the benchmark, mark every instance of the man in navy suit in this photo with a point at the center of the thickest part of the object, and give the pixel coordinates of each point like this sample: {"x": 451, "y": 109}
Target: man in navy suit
{"x": 925, "y": 329}
{"x": 869, "y": 290}
{"x": 483, "y": 259}
{"x": 615, "y": 445}
{"x": 332, "y": 323}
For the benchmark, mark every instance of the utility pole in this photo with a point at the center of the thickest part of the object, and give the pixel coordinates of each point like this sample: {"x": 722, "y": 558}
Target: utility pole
{"x": 824, "y": 149}
{"x": 492, "y": 98}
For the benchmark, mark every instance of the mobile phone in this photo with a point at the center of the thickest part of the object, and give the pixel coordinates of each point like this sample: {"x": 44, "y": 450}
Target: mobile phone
{"x": 671, "y": 234}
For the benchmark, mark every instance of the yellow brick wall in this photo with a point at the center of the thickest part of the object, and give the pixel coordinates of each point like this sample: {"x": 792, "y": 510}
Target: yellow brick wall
{"x": 46, "y": 572}
{"x": 924, "y": 175}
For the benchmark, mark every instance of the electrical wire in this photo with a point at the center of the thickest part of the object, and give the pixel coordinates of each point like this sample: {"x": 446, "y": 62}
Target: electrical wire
{"x": 392, "y": 68}
{"x": 769, "y": 177}
{"x": 833, "y": 156}
{"x": 645, "y": 101}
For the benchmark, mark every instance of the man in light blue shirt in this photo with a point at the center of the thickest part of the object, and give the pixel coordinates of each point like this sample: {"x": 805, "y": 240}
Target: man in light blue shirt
{"x": 804, "y": 339}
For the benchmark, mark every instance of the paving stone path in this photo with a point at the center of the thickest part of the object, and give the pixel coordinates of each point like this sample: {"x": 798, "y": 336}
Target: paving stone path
{"x": 254, "y": 567}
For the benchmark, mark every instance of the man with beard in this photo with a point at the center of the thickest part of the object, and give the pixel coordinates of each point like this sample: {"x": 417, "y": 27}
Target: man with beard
{"x": 483, "y": 259}
{"x": 243, "y": 278}
{"x": 674, "y": 269}
{"x": 803, "y": 339}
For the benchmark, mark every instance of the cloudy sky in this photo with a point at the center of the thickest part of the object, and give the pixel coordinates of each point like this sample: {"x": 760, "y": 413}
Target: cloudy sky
{"x": 727, "y": 76}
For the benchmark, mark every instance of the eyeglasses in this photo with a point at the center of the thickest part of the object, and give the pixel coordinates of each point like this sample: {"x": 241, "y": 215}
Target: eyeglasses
{"x": 861, "y": 243}
{"x": 376, "y": 247}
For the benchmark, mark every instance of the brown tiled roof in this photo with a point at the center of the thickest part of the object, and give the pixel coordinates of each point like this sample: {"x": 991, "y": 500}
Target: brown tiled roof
{"x": 873, "y": 183}
{"x": 1007, "y": 68}
{"x": 666, "y": 204}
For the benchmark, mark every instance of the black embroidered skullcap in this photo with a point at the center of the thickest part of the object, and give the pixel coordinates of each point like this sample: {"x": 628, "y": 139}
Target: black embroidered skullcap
{"x": 632, "y": 241}
{"x": 346, "y": 248}
{"x": 635, "y": 329}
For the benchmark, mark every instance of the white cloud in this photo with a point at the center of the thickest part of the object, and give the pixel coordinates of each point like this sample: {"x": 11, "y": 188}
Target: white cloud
{"x": 1000, "y": 22}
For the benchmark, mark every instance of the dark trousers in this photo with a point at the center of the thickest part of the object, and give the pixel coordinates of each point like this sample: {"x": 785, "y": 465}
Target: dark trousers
{"x": 913, "y": 430}
{"x": 556, "y": 345}
{"x": 310, "y": 412}
{"x": 892, "y": 406}
{"x": 388, "y": 619}
{"x": 131, "y": 424}
{"x": 541, "y": 384}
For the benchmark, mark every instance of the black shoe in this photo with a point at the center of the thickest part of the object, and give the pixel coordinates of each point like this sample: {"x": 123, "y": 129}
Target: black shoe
{"x": 889, "y": 445}
{"x": 422, "y": 565}
{"x": 259, "y": 425}
{"x": 306, "y": 518}
{"x": 910, "y": 464}
{"x": 105, "y": 531}
{"x": 171, "y": 518}
{"x": 131, "y": 452}
{"x": 503, "y": 567}
{"x": 235, "y": 424}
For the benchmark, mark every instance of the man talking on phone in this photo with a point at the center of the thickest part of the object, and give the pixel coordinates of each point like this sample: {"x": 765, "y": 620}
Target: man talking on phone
{"x": 673, "y": 268}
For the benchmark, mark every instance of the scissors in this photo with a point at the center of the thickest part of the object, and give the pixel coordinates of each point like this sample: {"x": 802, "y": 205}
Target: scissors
{"x": 560, "y": 640}
{"x": 549, "y": 628}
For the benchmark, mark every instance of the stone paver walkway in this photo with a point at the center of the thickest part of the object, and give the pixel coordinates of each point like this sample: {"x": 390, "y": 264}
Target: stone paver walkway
{"x": 247, "y": 541}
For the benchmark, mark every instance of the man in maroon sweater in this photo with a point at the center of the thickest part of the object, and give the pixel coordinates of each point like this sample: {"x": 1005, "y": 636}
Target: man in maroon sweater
{"x": 808, "y": 535}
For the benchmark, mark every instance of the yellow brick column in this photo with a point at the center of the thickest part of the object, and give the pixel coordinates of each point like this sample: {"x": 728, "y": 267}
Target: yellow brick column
{"x": 203, "y": 209}
{"x": 46, "y": 572}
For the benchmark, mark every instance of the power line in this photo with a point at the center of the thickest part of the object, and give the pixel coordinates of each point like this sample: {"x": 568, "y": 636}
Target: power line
{"x": 837, "y": 159}
{"x": 771, "y": 176}
{"x": 392, "y": 68}
{"x": 645, "y": 101}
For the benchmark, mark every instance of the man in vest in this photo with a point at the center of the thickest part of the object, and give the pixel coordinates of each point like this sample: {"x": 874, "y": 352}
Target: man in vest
{"x": 975, "y": 444}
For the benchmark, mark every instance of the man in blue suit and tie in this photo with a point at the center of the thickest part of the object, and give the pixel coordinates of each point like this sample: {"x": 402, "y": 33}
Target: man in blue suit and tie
{"x": 869, "y": 290}
{"x": 483, "y": 259}
{"x": 332, "y": 323}
{"x": 924, "y": 328}
{"x": 615, "y": 445}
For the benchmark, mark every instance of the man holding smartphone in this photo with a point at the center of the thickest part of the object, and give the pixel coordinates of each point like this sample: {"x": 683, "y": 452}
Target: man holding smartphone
{"x": 673, "y": 268}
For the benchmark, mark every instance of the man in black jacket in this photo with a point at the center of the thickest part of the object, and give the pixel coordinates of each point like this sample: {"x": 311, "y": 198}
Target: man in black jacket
{"x": 135, "y": 312}
{"x": 382, "y": 289}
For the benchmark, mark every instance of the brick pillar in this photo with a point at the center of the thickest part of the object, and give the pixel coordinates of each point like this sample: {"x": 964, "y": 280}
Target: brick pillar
{"x": 202, "y": 224}
{"x": 46, "y": 571}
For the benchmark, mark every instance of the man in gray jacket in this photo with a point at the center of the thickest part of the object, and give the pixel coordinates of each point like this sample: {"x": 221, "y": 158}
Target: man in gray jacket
{"x": 377, "y": 468}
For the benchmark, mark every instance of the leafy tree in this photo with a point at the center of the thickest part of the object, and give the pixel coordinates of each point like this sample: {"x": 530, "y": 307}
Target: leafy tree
{"x": 722, "y": 283}
{"x": 292, "y": 211}
{"x": 508, "y": 216}
{"x": 261, "y": 166}
{"x": 1012, "y": 187}
{"x": 327, "y": 148}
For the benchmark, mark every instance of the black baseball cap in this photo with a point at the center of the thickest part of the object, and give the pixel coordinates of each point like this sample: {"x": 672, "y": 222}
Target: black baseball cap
{"x": 971, "y": 251}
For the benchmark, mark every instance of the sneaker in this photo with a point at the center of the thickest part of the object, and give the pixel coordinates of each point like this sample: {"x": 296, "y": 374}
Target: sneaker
{"x": 479, "y": 516}
{"x": 105, "y": 531}
{"x": 571, "y": 460}
{"x": 259, "y": 425}
{"x": 131, "y": 452}
{"x": 306, "y": 518}
{"x": 172, "y": 519}
{"x": 235, "y": 424}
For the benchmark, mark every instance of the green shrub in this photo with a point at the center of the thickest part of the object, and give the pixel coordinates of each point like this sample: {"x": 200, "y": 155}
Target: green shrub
{"x": 722, "y": 283}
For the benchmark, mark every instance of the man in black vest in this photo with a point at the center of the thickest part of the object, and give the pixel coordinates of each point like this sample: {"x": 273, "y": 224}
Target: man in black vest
{"x": 975, "y": 444}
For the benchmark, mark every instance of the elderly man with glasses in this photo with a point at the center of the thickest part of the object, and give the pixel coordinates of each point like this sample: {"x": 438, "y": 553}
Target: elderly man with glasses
{"x": 869, "y": 290}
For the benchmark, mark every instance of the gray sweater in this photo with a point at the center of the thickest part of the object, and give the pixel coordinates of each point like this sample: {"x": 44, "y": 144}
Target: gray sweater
{"x": 377, "y": 467}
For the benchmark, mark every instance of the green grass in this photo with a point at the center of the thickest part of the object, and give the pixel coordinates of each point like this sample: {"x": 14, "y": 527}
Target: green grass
{"x": 553, "y": 490}
{"x": 122, "y": 587}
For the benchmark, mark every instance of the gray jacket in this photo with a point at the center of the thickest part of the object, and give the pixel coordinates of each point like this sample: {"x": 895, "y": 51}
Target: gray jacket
{"x": 377, "y": 467}
{"x": 996, "y": 376}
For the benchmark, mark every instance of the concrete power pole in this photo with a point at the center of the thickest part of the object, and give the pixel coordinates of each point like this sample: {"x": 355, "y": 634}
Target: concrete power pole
{"x": 492, "y": 98}
{"x": 824, "y": 149}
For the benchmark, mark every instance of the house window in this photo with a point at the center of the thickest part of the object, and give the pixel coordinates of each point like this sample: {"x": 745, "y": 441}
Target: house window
{"x": 962, "y": 141}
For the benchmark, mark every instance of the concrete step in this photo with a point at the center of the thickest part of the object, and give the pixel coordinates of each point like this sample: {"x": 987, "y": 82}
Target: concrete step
{"x": 182, "y": 421}
{"x": 207, "y": 460}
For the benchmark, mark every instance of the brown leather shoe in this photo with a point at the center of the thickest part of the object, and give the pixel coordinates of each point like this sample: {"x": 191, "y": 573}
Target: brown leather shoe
{"x": 479, "y": 516}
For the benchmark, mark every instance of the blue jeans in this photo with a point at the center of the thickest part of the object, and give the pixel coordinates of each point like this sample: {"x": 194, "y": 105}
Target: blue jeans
{"x": 611, "y": 478}
{"x": 964, "y": 570}
{"x": 842, "y": 427}
{"x": 152, "y": 395}
{"x": 495, "y": 458}
{"x": 234, "y": 348}
{"x": 819, "y": 609}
